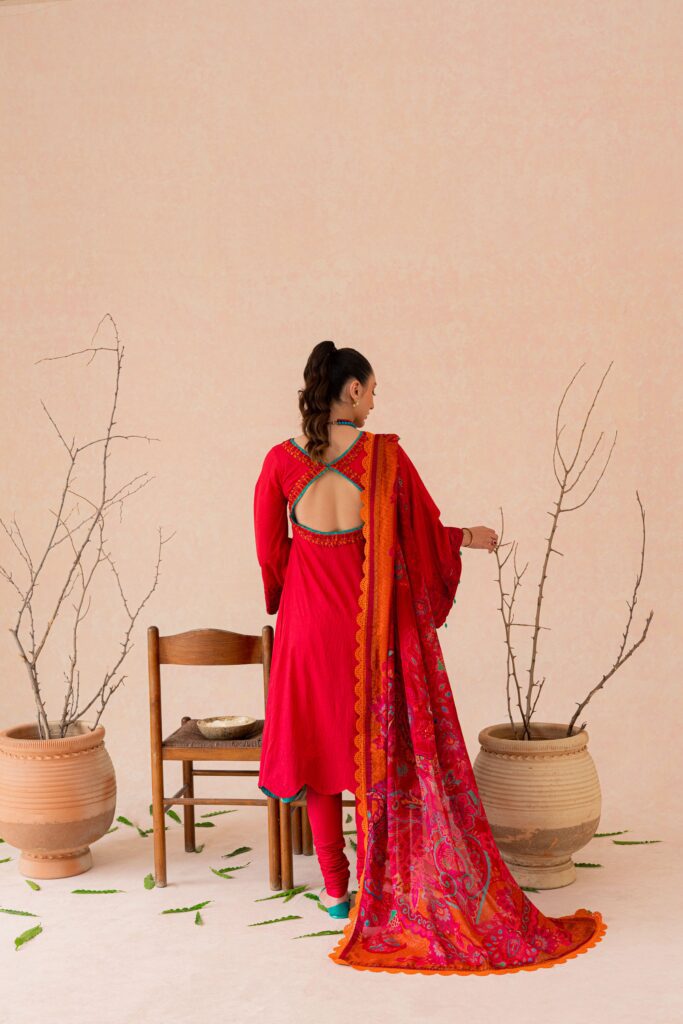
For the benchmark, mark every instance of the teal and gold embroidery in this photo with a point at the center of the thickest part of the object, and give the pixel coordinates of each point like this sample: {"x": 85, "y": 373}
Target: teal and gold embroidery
{"x": 315, "y": 469}
{"x": 328, "y": 539}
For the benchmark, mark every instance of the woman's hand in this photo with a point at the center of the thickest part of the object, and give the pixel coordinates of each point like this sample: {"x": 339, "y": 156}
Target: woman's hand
{"x": 481, "y": 537}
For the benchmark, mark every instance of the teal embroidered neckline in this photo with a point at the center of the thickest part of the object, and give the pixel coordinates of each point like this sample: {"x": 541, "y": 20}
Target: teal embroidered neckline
{"x": 355, "y": 441}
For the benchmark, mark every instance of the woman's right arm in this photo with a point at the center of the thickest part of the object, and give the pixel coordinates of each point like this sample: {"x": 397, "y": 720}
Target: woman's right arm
{"x": 270, "y": 528}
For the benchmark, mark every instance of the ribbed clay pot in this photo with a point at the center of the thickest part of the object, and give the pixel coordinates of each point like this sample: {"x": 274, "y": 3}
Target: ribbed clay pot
{"x": 542, "y": 799}
{"x": 56, "y": 797}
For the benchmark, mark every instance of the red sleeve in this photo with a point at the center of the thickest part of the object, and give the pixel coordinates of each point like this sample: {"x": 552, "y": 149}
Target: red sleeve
{"x": 435, "y": 547}
{"x": 270, "y": 527}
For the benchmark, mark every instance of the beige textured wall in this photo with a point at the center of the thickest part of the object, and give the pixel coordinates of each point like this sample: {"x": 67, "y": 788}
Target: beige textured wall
{"x": 480, "y": 197}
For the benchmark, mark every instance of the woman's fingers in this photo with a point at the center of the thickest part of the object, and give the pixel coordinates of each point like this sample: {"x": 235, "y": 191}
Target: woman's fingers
{"x": 490, "y": 539}
{"x": 484, "y": 537}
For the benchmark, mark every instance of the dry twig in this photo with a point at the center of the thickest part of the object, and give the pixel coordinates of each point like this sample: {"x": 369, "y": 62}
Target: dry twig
{"x": 78, "y": 575}
{"x": 528, "y": 705}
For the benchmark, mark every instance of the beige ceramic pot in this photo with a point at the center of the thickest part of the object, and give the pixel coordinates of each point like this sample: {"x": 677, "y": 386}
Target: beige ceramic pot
{"x": 56, "y": 797}
{"x": 542, "y": 799}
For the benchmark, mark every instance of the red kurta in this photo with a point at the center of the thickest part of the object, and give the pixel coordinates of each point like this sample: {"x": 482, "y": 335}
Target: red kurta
{"x": 312, "y": 579}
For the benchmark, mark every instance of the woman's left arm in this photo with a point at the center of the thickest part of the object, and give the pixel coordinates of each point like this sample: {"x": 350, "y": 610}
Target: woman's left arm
{"x": 435, "y": 546}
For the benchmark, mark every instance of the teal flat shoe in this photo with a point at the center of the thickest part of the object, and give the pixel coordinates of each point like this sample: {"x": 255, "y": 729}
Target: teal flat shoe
{"x": 339, "y": 909}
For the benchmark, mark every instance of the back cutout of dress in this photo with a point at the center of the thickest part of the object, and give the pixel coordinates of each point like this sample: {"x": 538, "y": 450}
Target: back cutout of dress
{"x": 330, "y": 496}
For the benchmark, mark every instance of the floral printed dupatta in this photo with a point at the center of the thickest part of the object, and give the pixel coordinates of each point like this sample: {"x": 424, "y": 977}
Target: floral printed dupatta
{"x": 435, "y": 896}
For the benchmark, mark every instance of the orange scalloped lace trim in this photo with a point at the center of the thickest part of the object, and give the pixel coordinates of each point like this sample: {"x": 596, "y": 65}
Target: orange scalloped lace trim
{"x": 600, "y": 929}
{"x": 600, "y": 926}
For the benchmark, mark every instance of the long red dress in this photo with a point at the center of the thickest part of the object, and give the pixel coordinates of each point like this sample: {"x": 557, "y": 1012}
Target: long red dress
{"x": 312, "y": 579}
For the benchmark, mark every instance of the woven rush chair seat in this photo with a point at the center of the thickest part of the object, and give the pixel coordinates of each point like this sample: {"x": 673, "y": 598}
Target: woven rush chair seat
{"x": 188, "y": 735}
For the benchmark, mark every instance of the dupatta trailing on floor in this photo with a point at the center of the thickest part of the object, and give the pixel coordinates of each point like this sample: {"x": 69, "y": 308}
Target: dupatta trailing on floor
{"x": 434, "y": 896}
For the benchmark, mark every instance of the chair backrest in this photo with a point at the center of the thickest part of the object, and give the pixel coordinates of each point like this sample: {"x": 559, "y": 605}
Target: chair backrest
{"x": 207, "y": 647}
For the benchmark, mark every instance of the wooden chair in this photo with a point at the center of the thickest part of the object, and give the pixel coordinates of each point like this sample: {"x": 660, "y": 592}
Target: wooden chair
{"x": 289, "y": 828}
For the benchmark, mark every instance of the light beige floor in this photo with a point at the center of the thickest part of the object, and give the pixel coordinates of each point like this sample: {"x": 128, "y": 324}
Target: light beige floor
{"x": 116, "y": 958}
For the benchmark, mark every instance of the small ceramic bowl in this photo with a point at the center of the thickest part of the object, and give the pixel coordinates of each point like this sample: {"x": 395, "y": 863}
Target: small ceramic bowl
{"x": 225, "y": 727}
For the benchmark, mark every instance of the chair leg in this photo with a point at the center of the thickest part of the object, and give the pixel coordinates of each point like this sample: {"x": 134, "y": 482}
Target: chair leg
{"x": 296, "y": 829}
{"x": 274, "y": 861}
{"x": 158, "y": 823}
{"x": 286, "y": 846}
{"x": 188, "y": 809}
{"x": 306, "y": 832}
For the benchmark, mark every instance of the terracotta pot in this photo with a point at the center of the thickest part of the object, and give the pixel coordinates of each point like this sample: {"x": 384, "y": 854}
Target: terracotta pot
{"x": 542, "y": 799}
{"x": 56, "y": 797}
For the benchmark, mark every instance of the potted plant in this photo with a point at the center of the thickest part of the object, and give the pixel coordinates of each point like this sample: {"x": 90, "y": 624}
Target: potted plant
{"x": 57, "y": 781}
{"x": 537, "y": 780}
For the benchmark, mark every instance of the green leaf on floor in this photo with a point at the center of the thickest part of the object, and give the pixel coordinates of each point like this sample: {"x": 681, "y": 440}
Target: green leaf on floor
{"x": 198, "y": 919}
{"x": 185, "y": 910}
{"x": 312, "y": 896}
{"x": 204, "y": 824}
{"x": 235, "y": 853}
{"x": 276, "y": 920}
{"x": 212, "y": 814}
{"x": 199, "y": 848}
{"x": 4, "y": 860}
{"x": 141, "y": 831}
{"x": 96, "y": 892}
{"x": 34, "y": 885}
{"x": 635, "y": 842}
{"x": 220, "y": 873}
{"x": 293, "y": 892}
{"x": 279, "y": 895}
{"x": 27, "y": 935}
{"x": 149, "y": 881}
{"x": 22, "y": 913}
{"x": 313, "y": 935}
{"x": 114, "y": 828}
{"x": 168, "y": 810}
{"x": 233, "y": 867}
{"x": 600, "y": 835}
{"x": 585, "y": 864}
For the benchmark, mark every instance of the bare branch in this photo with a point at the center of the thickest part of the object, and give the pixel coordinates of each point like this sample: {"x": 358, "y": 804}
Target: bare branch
{"x": 583, "y": 468}
{"x": 506, "y": 610}
{"x": 621, "y": 657}
{"x": 585, "y": 422}
{"x": 118, "y": 437}
{"x": 573, "y": 507}
{"x": 534, "y": 687}
{"x": 79, "y": 540}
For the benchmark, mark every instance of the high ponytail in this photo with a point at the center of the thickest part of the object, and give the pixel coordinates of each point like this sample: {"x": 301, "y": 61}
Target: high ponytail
{"x": 327, "y": 370}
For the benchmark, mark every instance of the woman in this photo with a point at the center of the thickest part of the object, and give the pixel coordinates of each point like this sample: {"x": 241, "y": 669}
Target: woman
{"x": 359, "y": 698}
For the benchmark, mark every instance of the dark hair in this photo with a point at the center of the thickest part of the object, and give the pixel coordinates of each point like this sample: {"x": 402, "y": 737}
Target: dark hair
{"x": 327, "y": 370}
